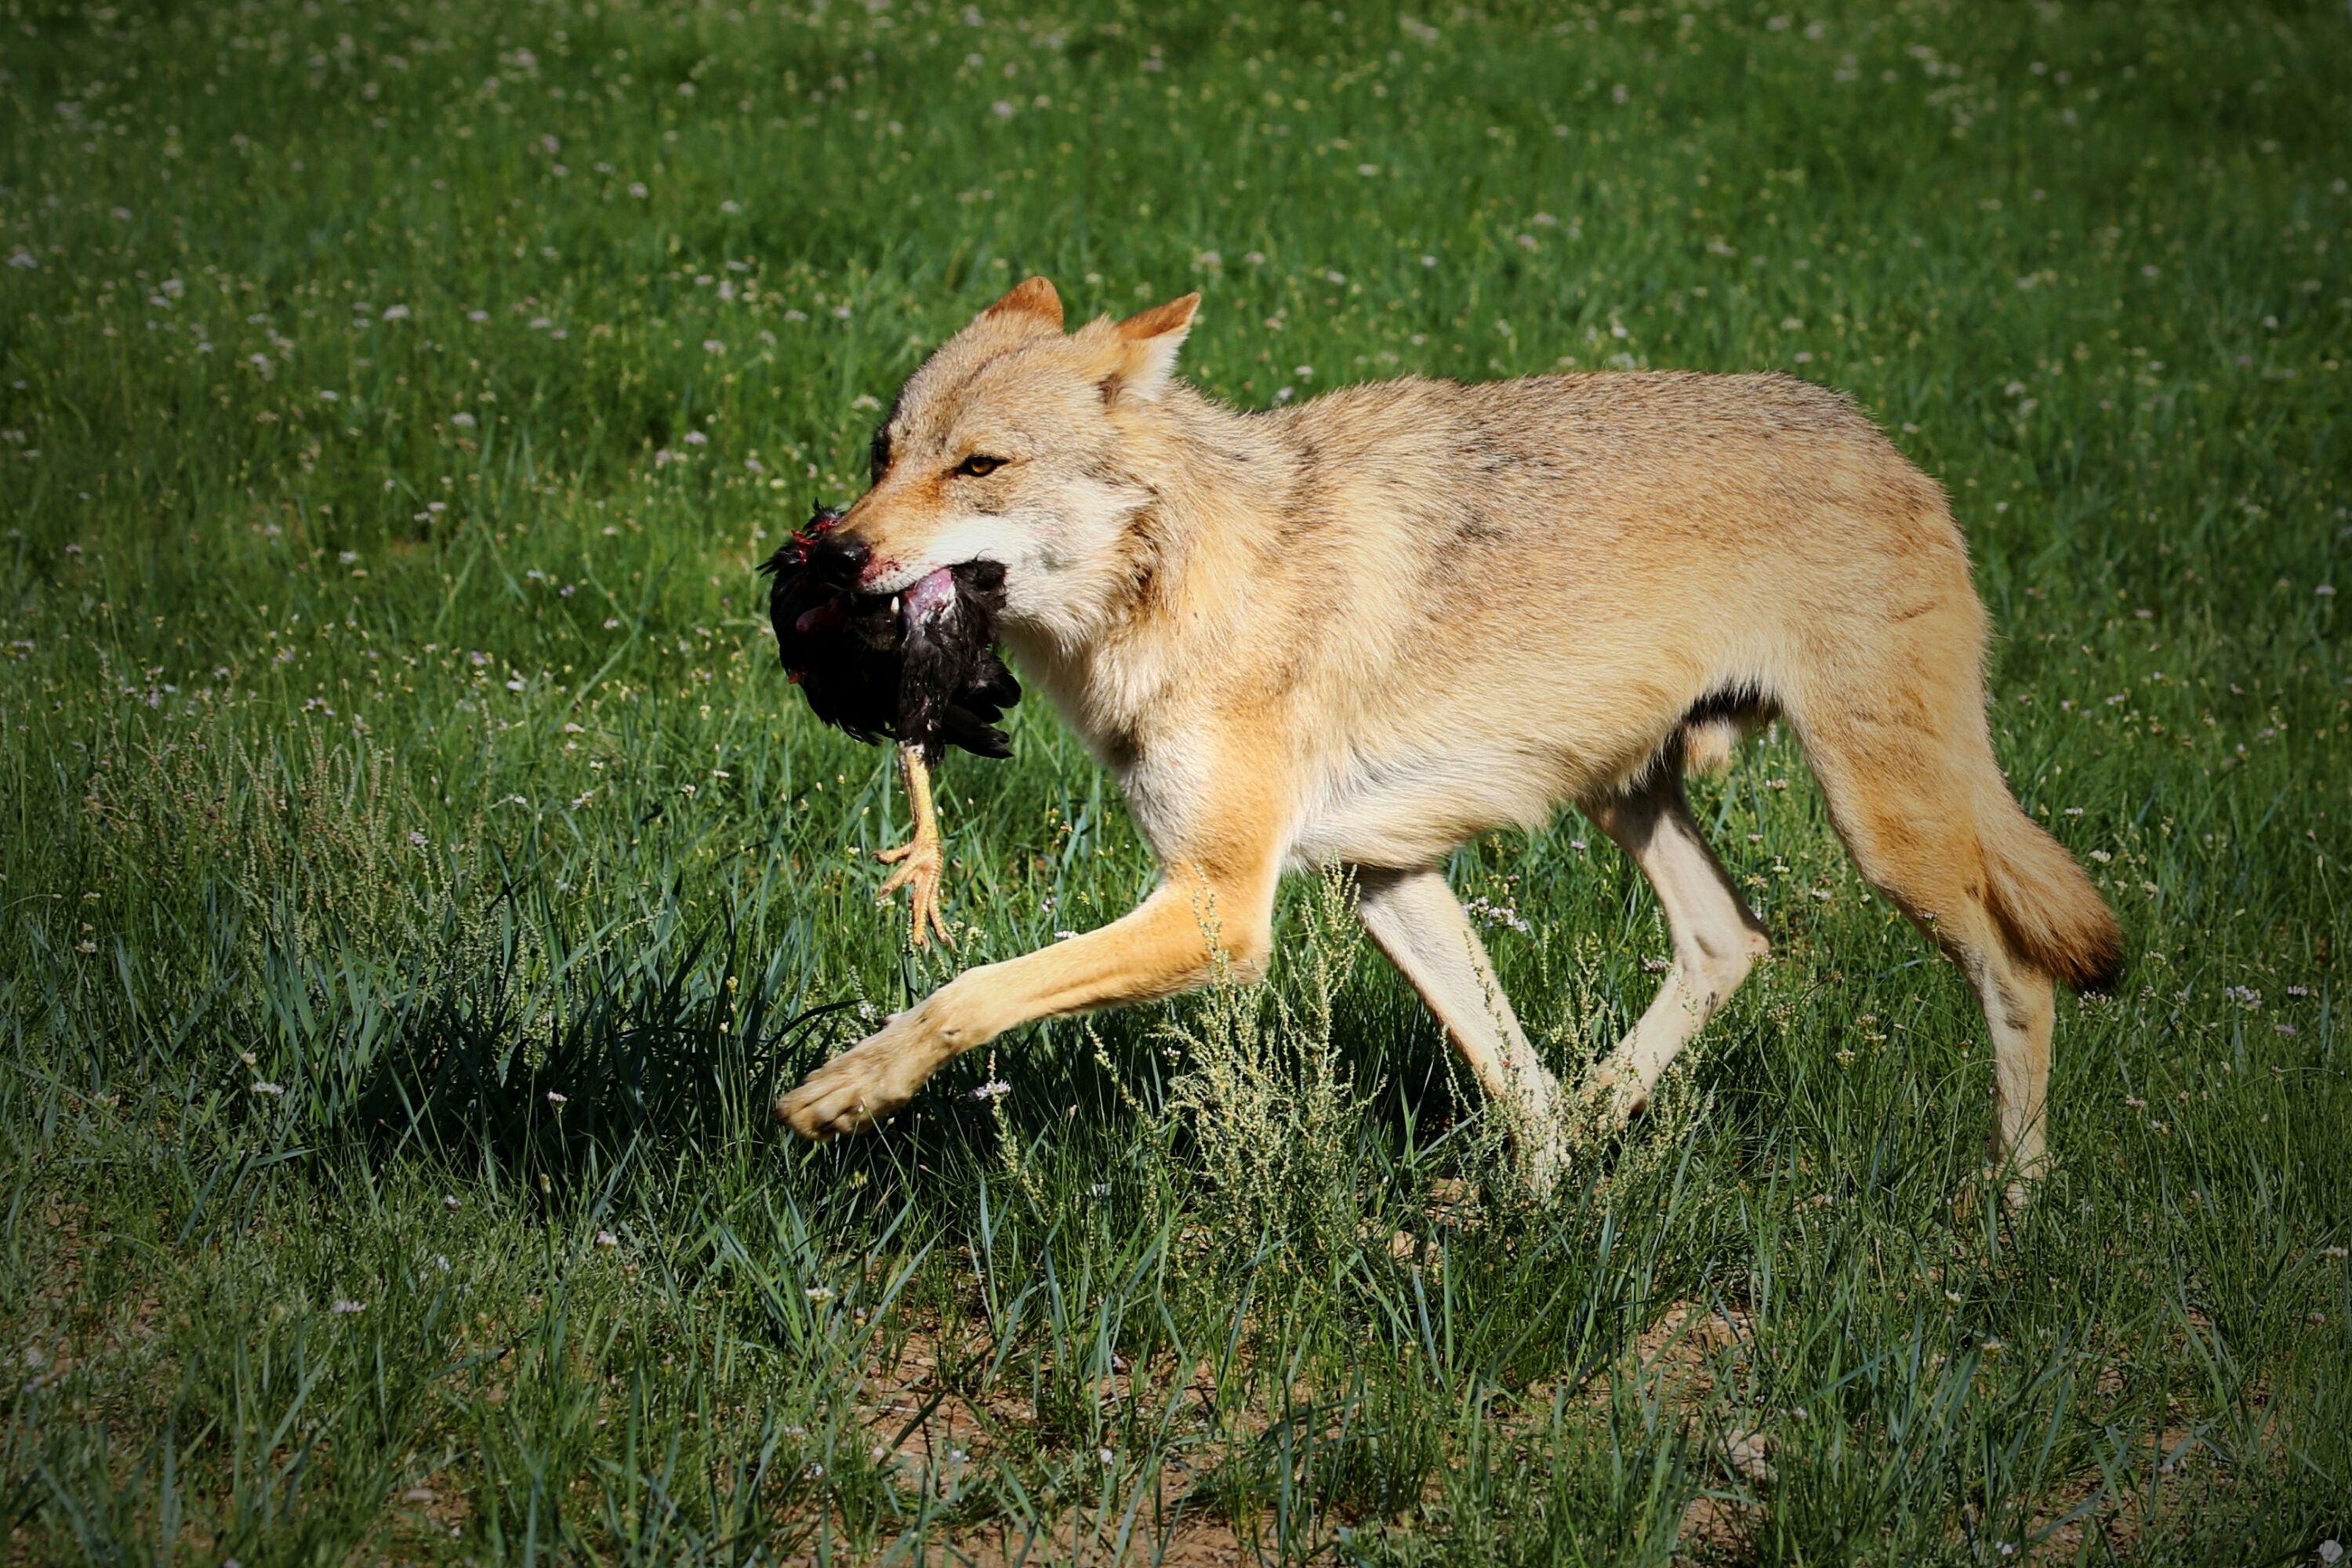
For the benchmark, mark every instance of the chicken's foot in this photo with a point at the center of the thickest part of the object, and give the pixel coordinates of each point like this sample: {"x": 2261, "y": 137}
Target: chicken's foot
{"x": 920, "y": 860}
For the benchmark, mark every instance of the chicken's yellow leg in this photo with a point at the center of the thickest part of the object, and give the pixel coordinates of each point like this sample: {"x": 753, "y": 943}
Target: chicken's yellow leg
{"x": 920, "y": 859}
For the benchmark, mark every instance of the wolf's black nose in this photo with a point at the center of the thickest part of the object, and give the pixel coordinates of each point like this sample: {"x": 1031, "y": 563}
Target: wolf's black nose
{"x": 838, "y": 558}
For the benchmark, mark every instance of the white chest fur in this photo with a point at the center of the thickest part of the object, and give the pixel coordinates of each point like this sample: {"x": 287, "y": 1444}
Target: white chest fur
{"x": 1411, "y": 809}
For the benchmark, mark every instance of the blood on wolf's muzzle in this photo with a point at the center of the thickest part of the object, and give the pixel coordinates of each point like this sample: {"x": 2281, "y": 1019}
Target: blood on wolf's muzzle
{"x": 837, "y": 558}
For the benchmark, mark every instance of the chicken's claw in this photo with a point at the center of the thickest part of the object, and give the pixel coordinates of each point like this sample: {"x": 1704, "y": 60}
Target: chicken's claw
{"x": 922, "y": 860}
{"x": 920, "y": 863}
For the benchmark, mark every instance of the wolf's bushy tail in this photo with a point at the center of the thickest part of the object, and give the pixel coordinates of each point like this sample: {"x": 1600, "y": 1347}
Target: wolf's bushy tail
{"x": 2049, "y": 913}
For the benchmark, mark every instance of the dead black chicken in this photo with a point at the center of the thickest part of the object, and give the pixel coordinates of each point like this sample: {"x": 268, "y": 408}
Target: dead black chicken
{"x": 920, "y": 667}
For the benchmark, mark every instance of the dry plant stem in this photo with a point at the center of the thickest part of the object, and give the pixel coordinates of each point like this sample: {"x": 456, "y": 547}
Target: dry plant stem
{"x": 920, "y": 859}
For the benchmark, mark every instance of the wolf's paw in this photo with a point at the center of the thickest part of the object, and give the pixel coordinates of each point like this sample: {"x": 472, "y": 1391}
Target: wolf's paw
{"x": 1610, "y": 1097}
{"x": 2016, "y": 1182}
{"x": 1542, "y": 1134}
{"x": 1542, "y": 1156}
{"x": 860, "y": 1086}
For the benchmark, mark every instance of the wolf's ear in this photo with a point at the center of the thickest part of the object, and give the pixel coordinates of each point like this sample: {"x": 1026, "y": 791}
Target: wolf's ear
{"x": 1032, "y": 297}
{"x": 1146, "y": 345}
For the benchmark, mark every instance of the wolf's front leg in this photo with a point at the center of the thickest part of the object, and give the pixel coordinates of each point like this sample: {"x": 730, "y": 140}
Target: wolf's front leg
{"x": 1168, "y": 943}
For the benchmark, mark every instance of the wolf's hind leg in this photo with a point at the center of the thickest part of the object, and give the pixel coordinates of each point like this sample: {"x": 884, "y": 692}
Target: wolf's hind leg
{"x": 1415, "y": 920}
{"x": 1915, "y": 808}
{"x": 1717, "y": 939}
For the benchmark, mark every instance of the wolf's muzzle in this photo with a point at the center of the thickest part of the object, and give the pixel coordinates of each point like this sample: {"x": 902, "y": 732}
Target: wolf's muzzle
{"x": 837, "y": 558}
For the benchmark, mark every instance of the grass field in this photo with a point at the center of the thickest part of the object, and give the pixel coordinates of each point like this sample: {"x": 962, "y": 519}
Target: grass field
{"x": 419, "y": 878}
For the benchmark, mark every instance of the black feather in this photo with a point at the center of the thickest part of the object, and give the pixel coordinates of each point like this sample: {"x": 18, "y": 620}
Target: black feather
{"x": 932, "y": 681}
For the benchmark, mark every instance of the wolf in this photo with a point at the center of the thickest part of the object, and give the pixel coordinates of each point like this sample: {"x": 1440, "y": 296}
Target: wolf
{"x": 1364, "y": 629}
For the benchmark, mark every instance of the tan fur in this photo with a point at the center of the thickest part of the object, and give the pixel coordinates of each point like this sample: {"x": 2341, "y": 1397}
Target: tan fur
{"x": 1366, "y": 628}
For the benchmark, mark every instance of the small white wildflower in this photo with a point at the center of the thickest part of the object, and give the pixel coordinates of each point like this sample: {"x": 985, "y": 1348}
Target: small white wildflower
{"x": 607, "y": 1238}
{"x": 263, "y": 1086}
{"x": 994, "y": 1089}
{"x": 819, "y": 1294}
{"x": 344, "y": 1307}
{"x": 451, "y": 1201}
{"x": 554, "y": 1099}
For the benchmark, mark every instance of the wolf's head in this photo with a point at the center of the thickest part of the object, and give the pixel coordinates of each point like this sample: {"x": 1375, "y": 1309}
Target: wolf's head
{"x": 1013, "y": 443}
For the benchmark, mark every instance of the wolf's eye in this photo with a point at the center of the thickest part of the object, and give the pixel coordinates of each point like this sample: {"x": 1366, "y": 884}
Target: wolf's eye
{"x": 979, "y": 466}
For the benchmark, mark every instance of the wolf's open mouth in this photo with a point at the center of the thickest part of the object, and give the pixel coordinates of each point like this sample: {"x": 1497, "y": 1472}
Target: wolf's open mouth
{"x": 917, "y": 665}
{"x": 927, "y": 597}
